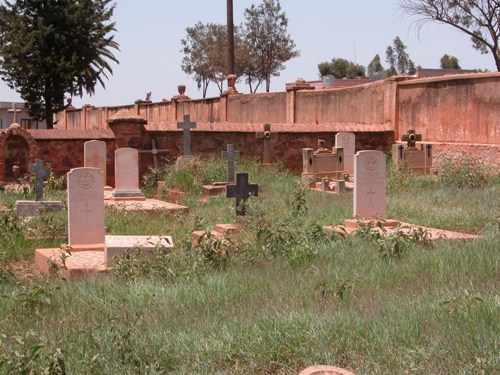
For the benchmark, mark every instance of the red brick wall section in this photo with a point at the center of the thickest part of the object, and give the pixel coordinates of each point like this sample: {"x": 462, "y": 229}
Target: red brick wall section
{"x": 16, "y": 130}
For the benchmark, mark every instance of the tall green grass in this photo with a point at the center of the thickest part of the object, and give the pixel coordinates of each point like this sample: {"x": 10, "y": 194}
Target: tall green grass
{"x": 280, "y": 296}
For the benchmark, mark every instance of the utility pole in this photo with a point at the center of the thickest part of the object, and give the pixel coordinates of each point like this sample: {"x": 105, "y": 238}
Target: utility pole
{"x": 230, "y": 37}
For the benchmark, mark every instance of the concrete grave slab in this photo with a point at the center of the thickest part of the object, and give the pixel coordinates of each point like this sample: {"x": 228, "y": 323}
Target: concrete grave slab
{"x": 31, "y": 208}
{"x": 116, "y": 246}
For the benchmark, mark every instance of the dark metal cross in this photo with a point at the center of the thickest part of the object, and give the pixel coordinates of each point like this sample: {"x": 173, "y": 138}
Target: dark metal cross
{"x": 230, "y": 154}
{"x": 411, "y": 138}
{"x": 40, "y": 173}
{"x": 266, "y": 134}
{"x": 15, "y": 111}
{"x": 241, "y": 191}
{"x": 186, "y": 126}
{"x": 154, "y": 151}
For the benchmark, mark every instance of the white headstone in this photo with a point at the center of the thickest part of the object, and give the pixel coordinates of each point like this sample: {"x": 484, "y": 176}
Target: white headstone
{"x": 127, "y": 173}
{"x": 94, "y": 156}
{"x": 347, "y": 141}
{"x": 85, "y": 206}
{"x": 370, "y": 185}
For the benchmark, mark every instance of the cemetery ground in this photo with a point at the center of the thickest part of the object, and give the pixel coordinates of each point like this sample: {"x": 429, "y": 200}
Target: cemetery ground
{"x": 274, "y": 298}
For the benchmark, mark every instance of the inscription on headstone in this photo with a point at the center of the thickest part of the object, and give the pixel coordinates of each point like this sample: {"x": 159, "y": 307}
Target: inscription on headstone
{"x": 369, "y": 185}
{"x": 85, "y": 206}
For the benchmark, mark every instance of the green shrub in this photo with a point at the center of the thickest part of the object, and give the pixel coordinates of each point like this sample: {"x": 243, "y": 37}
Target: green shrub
{"x": 464, "y": 171}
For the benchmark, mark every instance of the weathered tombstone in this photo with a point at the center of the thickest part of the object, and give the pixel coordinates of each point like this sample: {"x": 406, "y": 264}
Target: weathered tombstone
{"x": 417, "y": 158}
{"x": 369, "y": 185}
{"x": 230, "y": 154}
{"x": 186, "y": 126}
{"x": 85, "y": 208}
{"x": 266, "y": 135}
{"x": 241, "y": 191}
{"x": 127, "y": 175}
{"x": 31, "y": 208}
{"x": 154, "y": 151}
{"x": 40, "y": 174}
{"x": 94, "y": 156}
{"x": 321, "y": 163}
{"x": 347, "y": 142}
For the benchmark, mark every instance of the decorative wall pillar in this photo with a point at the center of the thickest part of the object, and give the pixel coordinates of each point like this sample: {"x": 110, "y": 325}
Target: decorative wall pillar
{"x": 128, "y": 129}
{"x": 291, "y": 89}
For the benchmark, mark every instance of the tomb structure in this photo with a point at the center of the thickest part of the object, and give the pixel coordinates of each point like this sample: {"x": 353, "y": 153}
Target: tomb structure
{"x": 321, "y": 163}
{"x": 417, "y": 157}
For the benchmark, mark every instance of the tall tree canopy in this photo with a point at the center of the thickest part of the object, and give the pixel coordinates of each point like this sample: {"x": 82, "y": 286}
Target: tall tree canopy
{"x": 375, "y": 67}
{"x": 49, "y": 48}
{"x": 480, "y": 19}
{"x": 267, "y": 39}
{"x": 449, "y": 62}
{"x": 341, "y": 68}
{"x": 398, "y": 60}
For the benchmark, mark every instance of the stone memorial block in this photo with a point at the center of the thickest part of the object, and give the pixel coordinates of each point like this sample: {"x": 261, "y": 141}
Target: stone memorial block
{"x": 127, "y": 174}
{"x": 347, "y": 142}
{"x": 94, "y": 156}
{"x": 117, "y": 245}
{"x": 321, "y": 163}
{"x": 85, "y": 207}
{"x": 417, "y": 157}
{"x": 370, "y": 185}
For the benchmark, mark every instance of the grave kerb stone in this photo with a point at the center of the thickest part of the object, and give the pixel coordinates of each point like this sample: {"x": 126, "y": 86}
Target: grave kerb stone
{"x": 117, "y": 246}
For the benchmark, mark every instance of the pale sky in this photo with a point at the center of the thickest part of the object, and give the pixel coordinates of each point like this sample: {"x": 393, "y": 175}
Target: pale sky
{"x": 149, "y": 33}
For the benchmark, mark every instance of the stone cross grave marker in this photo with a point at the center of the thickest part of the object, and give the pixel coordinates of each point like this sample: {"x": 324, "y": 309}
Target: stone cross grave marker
{"x": 241, "y": 191}
{"x": 347, "y": 142}
{"x": 40, "y": 174}
{"x": 94, "y": 156}
{"x": 127, "y": 174}
{"x": 154, "y": 151}
{"x": 186, "y": 126}
{"x": 369, "y": 185}
{"x": 411, "y": 138}
{"x": 266, "y": 135}
{"x": 85, "y": 207}
{"x": 14, "y": 112}
{"x": 230, "y": 154}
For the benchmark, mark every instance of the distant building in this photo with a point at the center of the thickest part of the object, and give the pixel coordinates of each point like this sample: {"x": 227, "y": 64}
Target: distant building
{"x": 21, "y": 116}
{"x": 427, "y": 73}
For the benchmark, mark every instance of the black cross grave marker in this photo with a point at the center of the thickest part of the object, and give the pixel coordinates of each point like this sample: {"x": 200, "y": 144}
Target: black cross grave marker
{"x": 266, "y": 134}
{"x": 40, "y": 173}
{"x": 241, "y": 191}
{"x": 230, "y": 154}
{"x": 154, "y": 151}
{"x": 411, "y": 138}
{"x": 186, "y": 126}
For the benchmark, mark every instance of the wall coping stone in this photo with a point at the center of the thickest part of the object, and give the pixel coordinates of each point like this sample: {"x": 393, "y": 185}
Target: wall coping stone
{"x": 71, "y": 134}
{"x": 126, "y": 116}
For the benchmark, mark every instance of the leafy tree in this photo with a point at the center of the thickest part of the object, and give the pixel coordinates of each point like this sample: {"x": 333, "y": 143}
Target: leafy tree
{"x": 375, "y": 67}
{"x": 480, "y": 19}
{"x": 267, "y": 39}
{"x": 398, "y": 60}
{"x": 51, "y": 48}
{"x": 449, "y": 62}
{"x": 341, "y": 68}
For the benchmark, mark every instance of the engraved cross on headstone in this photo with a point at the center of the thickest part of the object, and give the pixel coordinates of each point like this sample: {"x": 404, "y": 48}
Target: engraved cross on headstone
{"x": 266, "y": 134}
{"x": 40, "y": 173}
{"x": 154, "y": 151}
{"x": 241, "y": 191}
{"x": 371, "y": 193}
{"x": 186, "y": 126}
{"x": 411, "y": 138}
{"x": 14, "y": 111}
{"x": 86, "y": 211}
{"x": 230, "y": 154}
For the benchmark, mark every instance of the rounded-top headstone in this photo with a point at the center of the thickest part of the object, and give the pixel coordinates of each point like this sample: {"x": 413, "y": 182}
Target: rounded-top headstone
{"x": 325, "y": 370}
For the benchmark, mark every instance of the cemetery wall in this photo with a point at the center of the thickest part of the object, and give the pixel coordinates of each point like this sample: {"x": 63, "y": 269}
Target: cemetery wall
{"x": 257, "y": 108}
{"x": 360, "y": 104}
{"x": 461, "y": 108}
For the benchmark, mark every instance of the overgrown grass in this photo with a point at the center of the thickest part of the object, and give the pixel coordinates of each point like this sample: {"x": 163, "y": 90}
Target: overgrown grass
{"x": 275, "y": 298}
